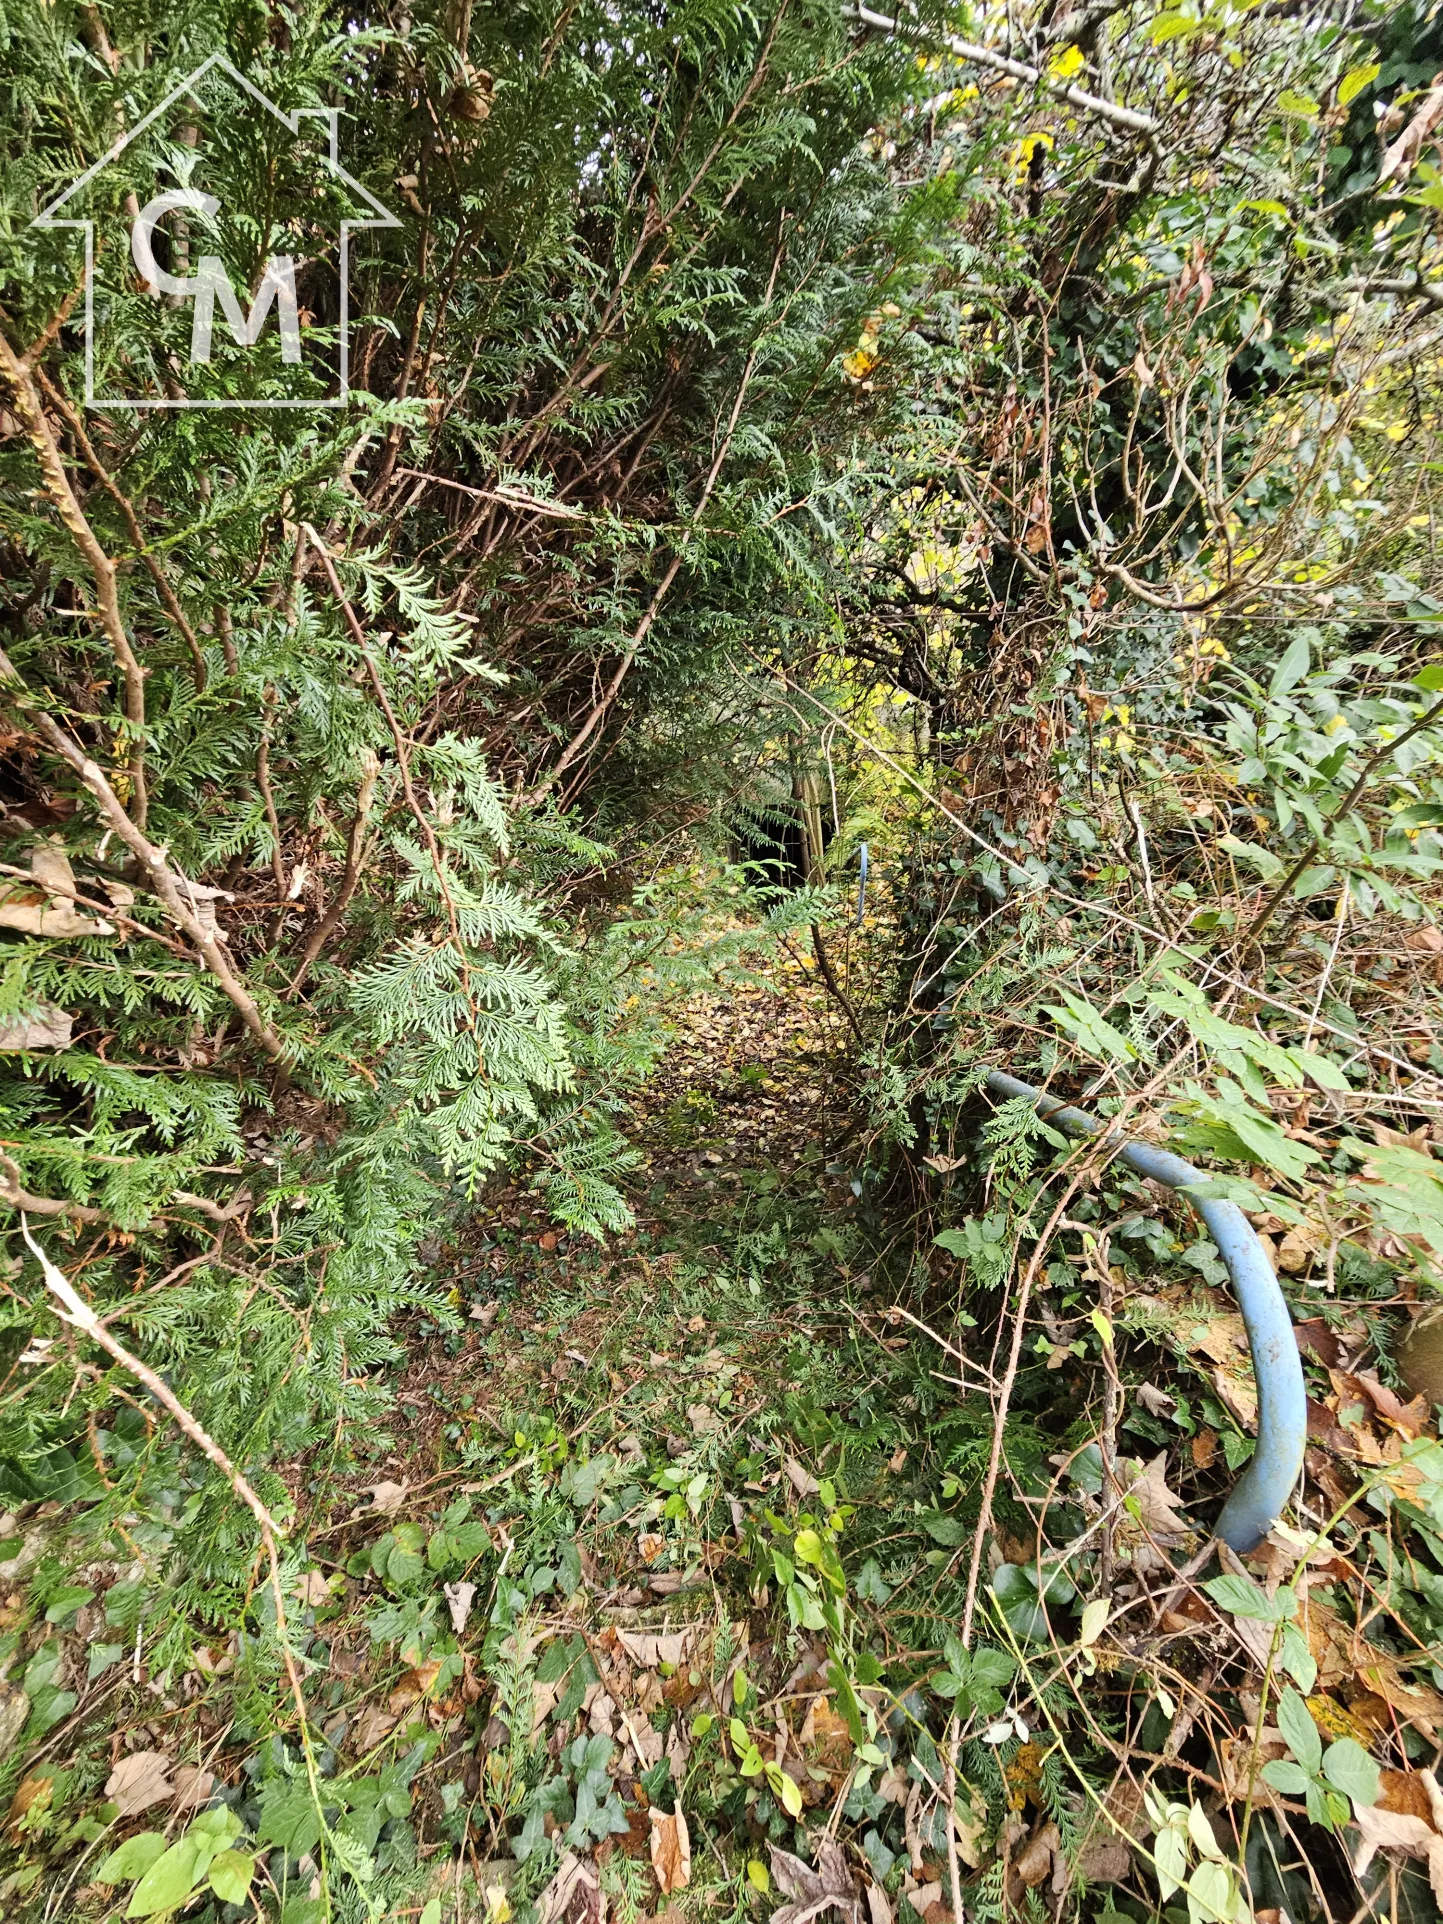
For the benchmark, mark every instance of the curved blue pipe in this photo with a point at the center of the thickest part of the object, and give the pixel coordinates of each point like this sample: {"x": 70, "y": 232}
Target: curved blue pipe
{"x": 1265, "y": 1486}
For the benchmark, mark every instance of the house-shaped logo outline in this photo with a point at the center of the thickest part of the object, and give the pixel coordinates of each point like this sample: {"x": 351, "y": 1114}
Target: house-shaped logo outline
{"x": 292, "y": 121}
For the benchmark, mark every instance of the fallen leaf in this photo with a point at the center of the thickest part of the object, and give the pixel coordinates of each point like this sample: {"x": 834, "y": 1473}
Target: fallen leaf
{"x": 32, "y": 1790}
{"x": 312, "y": 1588}
{"x": 803, "y": 1482}
{"x": 1033, "y": 1862}
{"x": 827, "y": 1888}
{"x": 704, "y": 1419}
{"x": 574, "y": 1895}
{"x": 47, "y": 1026}
{"x": 371, "y": 1726}
{"x": 138, "y": 1781}
{"x": 1239, "y": 1391}
{"x": 1414, "y": 1703}
{"x": 1155, "y": 1401}
{"x": 650, "y": 1648}
{"x": 193, "y": 1787}
{"x": 1380, "y": 1829}
{"x": 1157, "y": 1507}
{"x": 415, "y": 1685}
{"x": 386, "y": 1498}
{"x": 670, "y": 1850}
{"x": 459, "y": 1598}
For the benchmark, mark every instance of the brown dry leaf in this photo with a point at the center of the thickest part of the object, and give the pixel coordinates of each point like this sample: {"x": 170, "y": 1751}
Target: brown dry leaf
{"x": 193, "y": 1787}
{"x": 1220, "y": 1338}
{"x": 811, "y": 1892}
{"x": 703, "y": 1419}
{"x": 1033, "y": 1863}
{"x": 312, "y": 1588}
{"x": 31, "y": 1791}
{"x": 1241, "y": 1771}
{"x": 47, "y": 1026}
{"x": 1203, "y": 1448}
{"x": 670, "y": 1850}
{"x": 1329, "y": 1639}
{"x": 371, "y": 1726}
{"x": 879, "y": 1905}
{"x": 801, "y": 1479}
{"x": 1238, "y": 1389}
{"x": 1157, "y": 1506}
{"x": 386, "y": 1498}
{"x": 1382, "y": 1828}
{"x": 825, "y": 1740}
{"x": 1410, "y": 1418}
{"x": 415, "y": 1685}
{"x": 574, "y": 1895}
{"x": 647, "y": 1648}
{"x": 1155, "y": 1401}
{"x": 138, "y": 1781}
{"x": 1414, "y": 1703}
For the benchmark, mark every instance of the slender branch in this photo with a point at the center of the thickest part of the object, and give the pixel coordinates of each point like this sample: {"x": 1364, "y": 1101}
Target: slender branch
{"x": 175, "y": 890}
{"x": 31, "y": 410}
{"x": 15, "y": 1196}
{"x": 977, "y": 56}
{"x": 1349, "y": 802}
{"x": 355, "y": 851}
{"x": 132, "y": 525}
{"x": 74, "y": 1310}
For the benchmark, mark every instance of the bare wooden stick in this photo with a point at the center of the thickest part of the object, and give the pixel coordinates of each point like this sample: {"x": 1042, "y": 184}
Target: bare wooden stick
{"x": 31, "y": 410}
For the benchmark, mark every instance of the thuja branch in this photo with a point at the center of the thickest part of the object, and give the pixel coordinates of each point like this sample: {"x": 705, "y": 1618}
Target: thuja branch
{"x": 167, "y": 594}
{"x": 31, "y": 411}
{"x": 74, "y": 1310}
{"x": 175, "y": 890}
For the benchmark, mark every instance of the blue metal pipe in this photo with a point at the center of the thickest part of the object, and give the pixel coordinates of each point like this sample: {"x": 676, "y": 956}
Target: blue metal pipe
{"x": 1265, "y": 1486}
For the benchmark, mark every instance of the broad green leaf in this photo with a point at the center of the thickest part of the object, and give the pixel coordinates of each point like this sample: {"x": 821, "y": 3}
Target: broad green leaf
{"x": 168, "y": 1882}
{"x": 1300, "y": 105}
{"x": 1429, "y": 678}
{"x": 1242, "y": 1597}
{"x": 1301, "y": 1733}
{"x": 1349, "y": 1768}
{"x": 1297, "y": 1659}
{"x": 1355, "y": 80}
{"x": 1284, "y": 1775}
{"x": 1210, "y": 1894}
{"x": 1292, "y": 667}
{"x": 1094, "y": 1621}
{"x": 133, "y": 1858}
{"x": 230, "y": 1876}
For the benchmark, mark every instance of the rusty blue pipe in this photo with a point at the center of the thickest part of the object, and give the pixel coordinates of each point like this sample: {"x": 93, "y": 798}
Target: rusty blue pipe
{"x": 1263, "y": 1490}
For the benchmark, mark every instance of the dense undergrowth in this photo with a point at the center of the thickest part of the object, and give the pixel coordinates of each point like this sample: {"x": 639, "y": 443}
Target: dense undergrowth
{"x": 532, "y": 1379}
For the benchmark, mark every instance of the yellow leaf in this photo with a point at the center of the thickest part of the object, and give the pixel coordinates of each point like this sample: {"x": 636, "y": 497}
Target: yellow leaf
{"x": 1355, "y": 80}
{"x": 1063, "y": 65}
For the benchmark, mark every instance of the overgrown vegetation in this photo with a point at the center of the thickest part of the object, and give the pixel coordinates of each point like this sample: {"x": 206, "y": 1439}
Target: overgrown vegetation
{"x": 532, "y": 1379}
